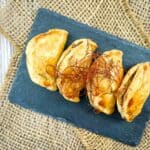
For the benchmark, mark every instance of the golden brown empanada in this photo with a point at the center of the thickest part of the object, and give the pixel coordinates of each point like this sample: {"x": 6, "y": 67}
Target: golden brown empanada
{"x": 134, "y": 90}
{"x": 42, "y": 54}
{"x": 72, "y": 68}
{"x": 104, "y": 78}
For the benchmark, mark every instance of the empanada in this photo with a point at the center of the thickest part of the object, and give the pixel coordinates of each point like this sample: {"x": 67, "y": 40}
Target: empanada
{"x": 104, "y": 78}
{"x": 72, "y": 68}
{"x": 42, "y": 54}
{"x": 134, "y": 90}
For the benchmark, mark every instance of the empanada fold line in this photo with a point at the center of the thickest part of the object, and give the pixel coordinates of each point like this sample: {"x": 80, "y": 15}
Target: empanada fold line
{"x": 134, "y": 86}
{"x": 123, "y": 88}
{"x": 134, "y": 91}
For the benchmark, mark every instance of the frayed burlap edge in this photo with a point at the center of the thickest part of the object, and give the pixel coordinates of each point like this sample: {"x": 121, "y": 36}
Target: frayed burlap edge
{"x": 4, "y": 88}
{"x": 6, "y": 83}
{"x": 18, "y": 51}
{"x": 16, "y": 47}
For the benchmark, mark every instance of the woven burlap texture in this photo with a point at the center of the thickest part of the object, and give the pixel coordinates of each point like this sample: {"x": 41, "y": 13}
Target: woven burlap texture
{"x": 24, "y": 129}
{"x": 141, "y": 8}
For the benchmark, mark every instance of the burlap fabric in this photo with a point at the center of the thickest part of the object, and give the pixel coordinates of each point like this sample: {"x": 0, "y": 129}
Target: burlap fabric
{"x": 24, "y": 129}
{"x": 141, "y": 8}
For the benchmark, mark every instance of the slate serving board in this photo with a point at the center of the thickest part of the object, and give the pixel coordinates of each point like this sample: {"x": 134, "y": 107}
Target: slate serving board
{"x": 29, "y": 95}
